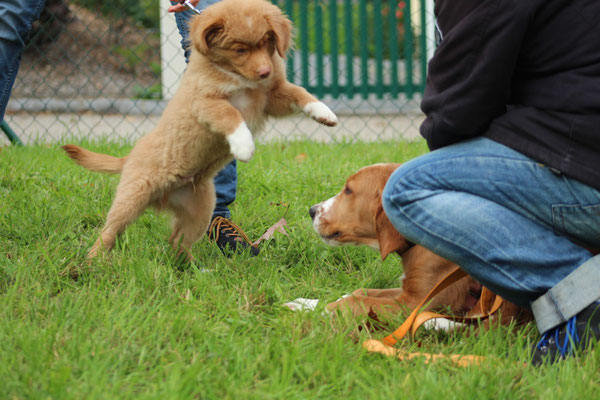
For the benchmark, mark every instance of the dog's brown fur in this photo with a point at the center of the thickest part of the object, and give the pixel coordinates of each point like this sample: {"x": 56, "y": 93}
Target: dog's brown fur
{"x": 356, "y": 216}
{"x": 234, "y": 81}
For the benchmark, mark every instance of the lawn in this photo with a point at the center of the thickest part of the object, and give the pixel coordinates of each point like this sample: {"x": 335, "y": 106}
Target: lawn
{"x": 138, "y": 324}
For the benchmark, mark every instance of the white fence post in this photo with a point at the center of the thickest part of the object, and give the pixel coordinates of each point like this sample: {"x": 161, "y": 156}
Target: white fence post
{"x": 171, "y": 53}
{"x": 430, "y": 29}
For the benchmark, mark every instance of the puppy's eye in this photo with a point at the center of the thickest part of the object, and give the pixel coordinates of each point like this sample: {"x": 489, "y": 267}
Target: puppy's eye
{"x": 347, "y": 190}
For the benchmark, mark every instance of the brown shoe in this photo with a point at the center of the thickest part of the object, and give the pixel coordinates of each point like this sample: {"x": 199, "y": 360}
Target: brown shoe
{"x": 230, "y": 237}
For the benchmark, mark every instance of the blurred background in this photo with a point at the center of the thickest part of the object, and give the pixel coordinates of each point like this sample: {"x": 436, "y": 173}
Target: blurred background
{"x": 106, "y": 69}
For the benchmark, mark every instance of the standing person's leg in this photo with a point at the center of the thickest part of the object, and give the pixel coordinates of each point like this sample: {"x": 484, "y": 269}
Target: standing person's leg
{"x": 225, "y": 233}
{"x": 16, "y": 18}
{"x": 183, "y": 18}
{"x": 506, "y": 220}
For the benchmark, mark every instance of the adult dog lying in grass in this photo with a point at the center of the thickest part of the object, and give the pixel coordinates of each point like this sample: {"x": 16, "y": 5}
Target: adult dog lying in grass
{"x": 234, "y": 81}
{"x": 355, "y": 216}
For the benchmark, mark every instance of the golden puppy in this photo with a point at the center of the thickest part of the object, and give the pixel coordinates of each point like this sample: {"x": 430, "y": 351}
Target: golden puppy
{"x": 234, "y": 81}
{"x": 356, "y": 216}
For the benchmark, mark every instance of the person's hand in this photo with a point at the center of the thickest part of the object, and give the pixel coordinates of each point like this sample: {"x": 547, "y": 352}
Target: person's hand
{"x": 180, "y": 7}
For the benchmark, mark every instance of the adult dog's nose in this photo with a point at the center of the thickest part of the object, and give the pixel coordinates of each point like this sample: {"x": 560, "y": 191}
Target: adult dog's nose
{"x": 313, "y": 211}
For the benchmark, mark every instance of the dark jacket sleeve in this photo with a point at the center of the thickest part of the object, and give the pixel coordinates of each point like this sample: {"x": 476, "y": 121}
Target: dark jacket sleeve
{"x": 469, "y": 77}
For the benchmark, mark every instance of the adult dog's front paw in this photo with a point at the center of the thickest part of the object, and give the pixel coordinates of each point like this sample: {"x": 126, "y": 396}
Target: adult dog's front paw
{"x": 241, "y": 143}
{"x": 320, "y": 113}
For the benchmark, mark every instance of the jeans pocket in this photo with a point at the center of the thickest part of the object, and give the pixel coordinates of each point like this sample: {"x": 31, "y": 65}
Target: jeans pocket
{"x": 578, "y": 222}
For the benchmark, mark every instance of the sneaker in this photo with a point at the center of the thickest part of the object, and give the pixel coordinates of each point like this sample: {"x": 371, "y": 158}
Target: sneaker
{"x": 230, "y": 237}
{"x": 573, "y": 336}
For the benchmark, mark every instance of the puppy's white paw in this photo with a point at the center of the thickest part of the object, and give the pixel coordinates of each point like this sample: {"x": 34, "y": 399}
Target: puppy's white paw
{"x": 241, "y": 143}
{"x": 320, "y": 113}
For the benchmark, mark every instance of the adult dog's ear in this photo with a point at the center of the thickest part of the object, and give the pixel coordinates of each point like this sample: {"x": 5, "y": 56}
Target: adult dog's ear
{"x": 205, "y": 32}
{"x": 281, "y": 28}
{"x": 390, "y": 240}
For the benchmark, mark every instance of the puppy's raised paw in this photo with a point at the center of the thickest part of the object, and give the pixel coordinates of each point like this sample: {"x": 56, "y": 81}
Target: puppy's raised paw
{"x": 241, "y": 143}
{"x": 320, "y": 113}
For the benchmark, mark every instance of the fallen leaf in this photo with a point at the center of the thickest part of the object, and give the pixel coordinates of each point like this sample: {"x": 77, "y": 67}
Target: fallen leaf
{"x": 301, "y": 157}
{"x": 277, "y": 227}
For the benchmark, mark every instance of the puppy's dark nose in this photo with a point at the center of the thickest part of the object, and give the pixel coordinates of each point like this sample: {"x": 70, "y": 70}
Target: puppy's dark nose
{"x": 312, "y": 212}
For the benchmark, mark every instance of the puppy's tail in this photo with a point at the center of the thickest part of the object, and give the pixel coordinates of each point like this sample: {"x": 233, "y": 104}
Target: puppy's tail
{"x": 95, "y": 161}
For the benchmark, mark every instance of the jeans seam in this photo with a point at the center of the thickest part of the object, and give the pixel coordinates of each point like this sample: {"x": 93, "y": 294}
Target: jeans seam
{"x": 557, "y": 219}
{"x": 7, "y": 87}
{"x": 569, "y": 185}
{"x": 558, "y": 215}
{"x": 38, "y": 11}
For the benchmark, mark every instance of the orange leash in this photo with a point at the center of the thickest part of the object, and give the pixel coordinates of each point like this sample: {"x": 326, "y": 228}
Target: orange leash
{"x": 375, "y": 346}
{"x": 489, "y": 304}
{"x": 406, "y": 327}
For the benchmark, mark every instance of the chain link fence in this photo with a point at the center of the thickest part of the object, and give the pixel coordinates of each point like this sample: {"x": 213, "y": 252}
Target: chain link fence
{"x": 106, "y": 69}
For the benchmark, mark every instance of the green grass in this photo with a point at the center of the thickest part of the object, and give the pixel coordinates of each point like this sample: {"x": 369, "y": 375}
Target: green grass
{"x": 135, "y": 324}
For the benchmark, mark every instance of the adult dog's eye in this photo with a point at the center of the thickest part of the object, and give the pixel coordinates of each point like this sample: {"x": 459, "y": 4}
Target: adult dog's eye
{"x": 347, "y": 190}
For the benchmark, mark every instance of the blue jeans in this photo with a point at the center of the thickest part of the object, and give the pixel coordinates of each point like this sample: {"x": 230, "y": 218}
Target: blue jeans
{"x": 226, "y": 179}
{"x": 515, "y": 225}
{"x": 16, "y": 18}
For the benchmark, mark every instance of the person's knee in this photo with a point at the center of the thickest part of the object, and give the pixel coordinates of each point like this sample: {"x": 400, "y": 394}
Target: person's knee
{"x": 394, "y": 196}
{"x": 411, "y": 182}
{"x": 404, "y": 182}
{"x": 389, "y": 193}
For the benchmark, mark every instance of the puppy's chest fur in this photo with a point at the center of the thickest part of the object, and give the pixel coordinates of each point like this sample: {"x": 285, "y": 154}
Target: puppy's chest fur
{"x": 251, "y": 104}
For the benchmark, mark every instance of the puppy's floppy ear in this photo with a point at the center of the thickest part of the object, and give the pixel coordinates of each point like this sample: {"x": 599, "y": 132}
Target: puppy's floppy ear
{"x": 390, "y": 240}
{"x": 205, "y": 31}
{"x": 281, "y": 28}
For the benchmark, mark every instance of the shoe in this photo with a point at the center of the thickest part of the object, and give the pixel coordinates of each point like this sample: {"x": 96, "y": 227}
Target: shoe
{"x": 573, "y": 336}
{"x": 229, "y": 237}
